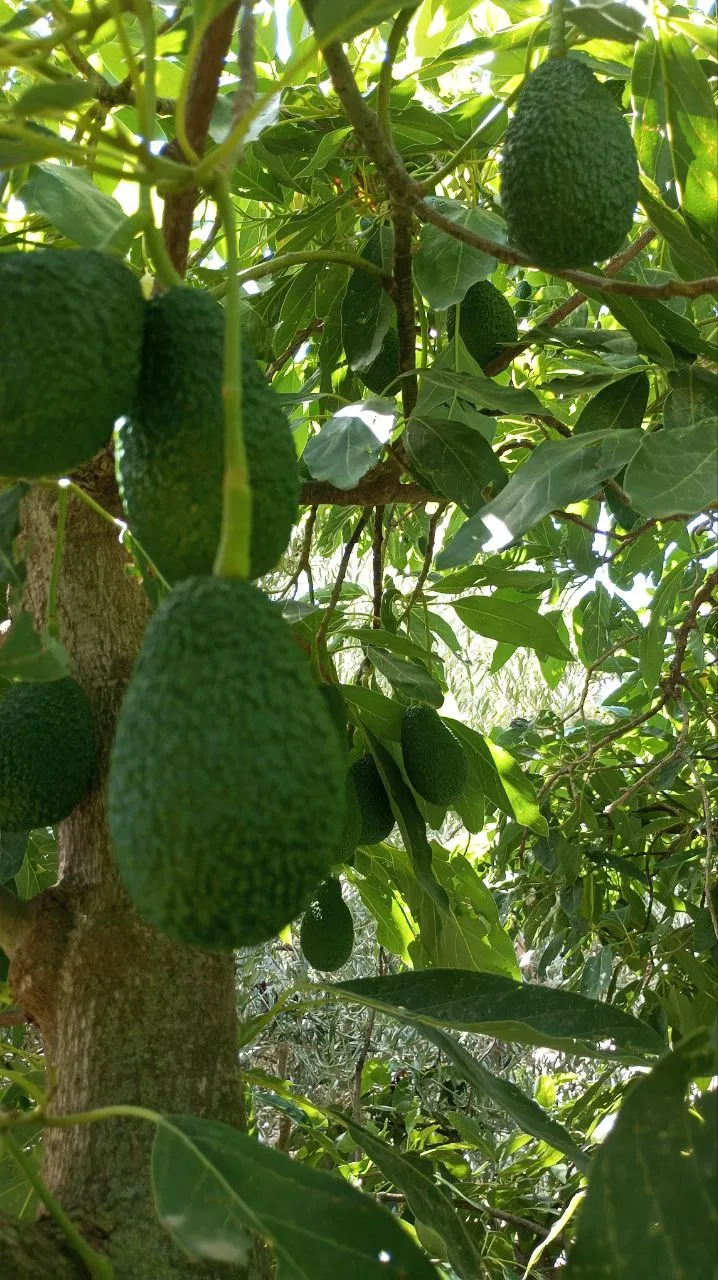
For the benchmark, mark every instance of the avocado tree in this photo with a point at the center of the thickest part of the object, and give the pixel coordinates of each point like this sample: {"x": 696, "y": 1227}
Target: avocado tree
{"x": 472, "y": 250}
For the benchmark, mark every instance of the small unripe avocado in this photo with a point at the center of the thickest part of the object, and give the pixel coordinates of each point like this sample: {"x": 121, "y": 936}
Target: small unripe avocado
{"x": 170, "y": 449}
{"x": 486, "y": 322}
{"x": 384, "y": 369}
{"x": 226, "y": 788}
{"x": 71, "y": 326}
{"x": 327, "y": 931}
{"x": 377, "y": 818}
{"x": 434, "y": 761}
{"x": 47, "y": 753}
{"x": 569, "y": 173}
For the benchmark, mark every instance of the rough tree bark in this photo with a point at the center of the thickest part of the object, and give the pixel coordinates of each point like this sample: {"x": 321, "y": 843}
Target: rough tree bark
{"x": 125, "y": 1015}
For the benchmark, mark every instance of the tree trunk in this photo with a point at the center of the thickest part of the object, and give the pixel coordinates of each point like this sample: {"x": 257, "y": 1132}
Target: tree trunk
{"x": 126, "y": 1016}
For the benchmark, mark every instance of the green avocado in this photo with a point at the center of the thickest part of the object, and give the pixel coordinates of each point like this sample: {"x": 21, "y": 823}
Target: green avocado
{"x": 327, "y": 931}
{"x": 352, "y": 829}
{"x": 170, "y": 450}
{"x": 569, "y": 173}
{"x": 384, "y": 368}
{"x": 486, "y": 322}
{"x": 71, "y": 327}
{"x": 47, "y": 753}
{"x": 434, "y": 761}
{"x": 377, "y": 818}
{"x": 226, "y": 787}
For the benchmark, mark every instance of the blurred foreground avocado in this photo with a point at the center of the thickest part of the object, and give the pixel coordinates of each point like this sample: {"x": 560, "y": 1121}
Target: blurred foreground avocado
{"x": 170, "y": 450}
{"x": 71, "y": 324}
{"x": 47, "y": 753}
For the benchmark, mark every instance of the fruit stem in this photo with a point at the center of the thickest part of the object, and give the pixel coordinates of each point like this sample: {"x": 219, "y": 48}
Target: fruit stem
{"x": 96, "y": 1264}
{"x": 53, "y": 626}
{"x": 233, "y": 554}
{"x": 557, "y": 41}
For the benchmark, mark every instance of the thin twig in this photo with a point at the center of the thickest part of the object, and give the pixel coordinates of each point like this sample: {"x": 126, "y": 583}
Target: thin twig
{"x": 710, "y": 847}
{"x": 619, "y": 802}
{"x": 377, "y": 553}
{"x": 428, "y": 559}
{"x": 360, "y": 1064}
{"x": 341, "y": 575}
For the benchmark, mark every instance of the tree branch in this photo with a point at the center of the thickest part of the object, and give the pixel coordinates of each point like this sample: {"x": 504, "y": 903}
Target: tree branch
{"x": 179, "y": 207}
{"x": 571, "y": 304}
{"x": 382, "y": 485}
{"x": 514, "y": 257}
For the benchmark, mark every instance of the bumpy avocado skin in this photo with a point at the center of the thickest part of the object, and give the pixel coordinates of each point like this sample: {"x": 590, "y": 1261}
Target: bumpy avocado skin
{"x": 326, "y": 935}
{"x": 47, "y": 753}
{"x": 486, "y": 322}
{"x": 170, "y": 450}
{"x": 569, "y": 174}
{"x": 434, "y": 761}
{"x": 226, "y": 788}
{"x": 385, "y": 368}
{"x": 71, "y": 326}
{"x": 377, "y": 818}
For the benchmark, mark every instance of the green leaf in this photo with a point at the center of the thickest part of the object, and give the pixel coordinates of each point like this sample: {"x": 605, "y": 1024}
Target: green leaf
{"x": 632, "y": 315}
{"x": 689, "y": 256}
{"x": 518, "y": 624}
{"x": 407, "y": 678}
{"x": 652, "y": 648}
{"x": 648, "y": 108}
{"x": 675, "y": 471}
{"x": 557, "y": 473}
{"x": 60, "y": 96}
{"x": 350, "y": 443}
{"x": 620, "y": 404}
{"x": 492, "y": 1005}
{"x": 344, "y": 19}
{"x": 380, "y": 714}
{"x": 606, "y": 20}
{"x": 524, "y": 1110}
{"x": 482, "y": 392}
{"x": 12, "y": 853}
{"x": 409, "y": 820}
{"x": 444, "y": 268}
{"x": 691, "y": 132}
{"x": 426, "y": 1201}
{"x": 519, "y": 789}
{"x": 367, "y": 309}
{"x": 69, "y": 199}
{"x": 692, "y": 399}
{"x": 25, "y": 655}
{"x": 455, "y": 459}
{"x": 652, "y": 1189}
{"x": 213, "y": 1184}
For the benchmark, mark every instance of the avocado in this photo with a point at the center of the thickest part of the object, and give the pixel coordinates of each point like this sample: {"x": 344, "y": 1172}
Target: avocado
{"x": 352, "y": 829}
{"x": 327, "y": 931}
{"x": 486, "y": 322}
{"x": 384, "y": 369}
{"x": 226, "y": 786}
{"x": 170, "y": 449}
{"x": 47, "y": 753}
{"x": 434, "y": 761}
{"x": 71, "y": 327}
{"x": 377, "y": 818}
{"x": 569, "y": 173}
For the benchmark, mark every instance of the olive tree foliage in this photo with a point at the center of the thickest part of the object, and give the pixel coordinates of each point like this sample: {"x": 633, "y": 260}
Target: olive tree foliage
{"x": 514, "y": 1066}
